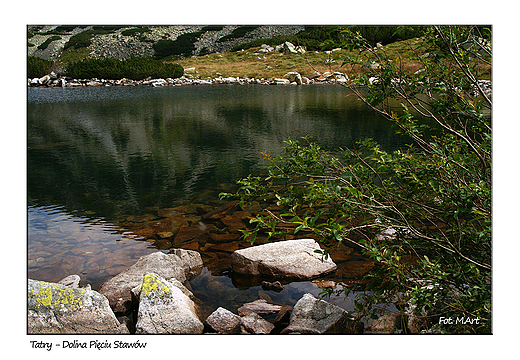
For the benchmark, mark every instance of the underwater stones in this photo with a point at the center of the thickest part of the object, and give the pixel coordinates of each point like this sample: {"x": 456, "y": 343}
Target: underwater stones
{"x": 224, "y": 237}
{"x": 274, "y": 286}
{"x": 287, "y": 259}
{"x": 149, "y": 231}
{"x": 324, "y": 284}
{"x": 387, "y": 324}
{"x": 59, "y": 309}
{"x": 186, "y": 234}
{"x": 165, "y": 309}
{"x": 221, "y": 211}
{"x": 313, "y": 316}
{"x": 355, "y": 269}
{"x": 255, "y": 324}
{"x": 224, "y": 247}
{"x": 260, "y": 306}
{"x": 233, "y": 222}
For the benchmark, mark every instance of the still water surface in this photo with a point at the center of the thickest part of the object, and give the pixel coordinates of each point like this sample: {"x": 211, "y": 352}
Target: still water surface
{"x": 97, "y": 155}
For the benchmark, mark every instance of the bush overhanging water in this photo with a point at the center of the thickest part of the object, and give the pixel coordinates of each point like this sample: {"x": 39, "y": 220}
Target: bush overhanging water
{"x": 423, "y": 212}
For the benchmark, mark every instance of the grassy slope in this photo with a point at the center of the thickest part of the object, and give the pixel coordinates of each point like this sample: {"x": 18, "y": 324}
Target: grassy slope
{"x": 276, "y": 65}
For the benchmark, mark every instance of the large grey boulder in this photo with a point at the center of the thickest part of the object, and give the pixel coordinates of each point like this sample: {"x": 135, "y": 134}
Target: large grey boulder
{"x": 118, "y": 289}
{"x": 165, "y": 309}
{"x": 313, "y": 316}
{"x": 58, "y": 309}
{"x": 286, "y": 259}
{"x": 289, "y": 48}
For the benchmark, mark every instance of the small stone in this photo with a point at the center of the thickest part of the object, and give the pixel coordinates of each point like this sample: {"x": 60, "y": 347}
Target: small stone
{"x": 223, "y": 321}
{"x": 324, "y": 284}
{"x": 388, "y": 323}
{"x": 313, "y": 316}
{"x": 275, "y": 286}
{"x": 255, "y": 324}
{"x": 165, "y": 234}
{"x": 72, "y": 281}
{"x": 260, "y": 307}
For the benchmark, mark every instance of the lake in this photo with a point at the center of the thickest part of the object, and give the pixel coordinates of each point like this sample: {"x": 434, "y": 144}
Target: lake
{"x": 104, "y": 160}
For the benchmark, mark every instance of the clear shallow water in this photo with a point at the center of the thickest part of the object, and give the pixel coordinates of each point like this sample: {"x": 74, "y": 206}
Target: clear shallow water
{"x": 98, "y": 157}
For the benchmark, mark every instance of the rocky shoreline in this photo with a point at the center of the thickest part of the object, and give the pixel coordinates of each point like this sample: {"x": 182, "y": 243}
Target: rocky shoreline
{"x": 154, "y": 296}
{"x": 155, "y": 288}
{"x": 291, "y": 78}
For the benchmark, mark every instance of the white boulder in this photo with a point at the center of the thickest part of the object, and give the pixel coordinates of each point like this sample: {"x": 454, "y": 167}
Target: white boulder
{"x": 285, "y": 259}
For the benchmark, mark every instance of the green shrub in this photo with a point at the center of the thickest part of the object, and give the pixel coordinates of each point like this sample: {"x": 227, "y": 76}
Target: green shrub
{"x": 84, "y": 38}
{"x": 184, "y": 45}
{"x": 312, "y": 38}
{"x": 315, "y": 38}
{"x": 238, "y": 33}
{"x": 164, "y": 48}
{"x": 429, "y": 202}
{"x": 135, "y": 68}
{"x": 37, "y": 67}
{"x": 47, "y": 42}
{"x": 63, "y": 29}
{"x": 212, "y": 28}
{"x": 108, "y": 28}
{"x": 67, "y": 28}
{"x": 388, "y": 34}
{"x": 134, "y": 31}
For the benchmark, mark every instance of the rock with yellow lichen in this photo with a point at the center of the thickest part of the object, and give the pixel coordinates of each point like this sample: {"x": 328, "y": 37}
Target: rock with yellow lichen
{"x": 118, "y": 289}
{"x": 165, "y": 309}
{"x": 59, "y": 309}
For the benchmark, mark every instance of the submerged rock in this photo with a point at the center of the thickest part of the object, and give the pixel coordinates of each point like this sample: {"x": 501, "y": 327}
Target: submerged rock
{"x": 59, "y": 309}
{"x": 287, "y": 259}
{"x": 165, "y": 309}
{"x": 255, "y": 324}
{"x": 260, "y": 307}
{"x": 389, "y": 323}
{"x": 313, "y": 316}
{"x": 274, "y": 286}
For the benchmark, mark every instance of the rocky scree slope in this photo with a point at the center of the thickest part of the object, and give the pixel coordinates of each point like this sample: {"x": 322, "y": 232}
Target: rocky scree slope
{"x": 123, "y": 42}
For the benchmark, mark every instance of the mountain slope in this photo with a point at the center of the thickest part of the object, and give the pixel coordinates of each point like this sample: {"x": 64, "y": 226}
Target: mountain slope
{"x": 76, "y": 42}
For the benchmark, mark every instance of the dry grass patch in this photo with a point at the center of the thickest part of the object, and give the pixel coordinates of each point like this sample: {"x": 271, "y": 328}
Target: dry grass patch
{"x": 249, "y": 63}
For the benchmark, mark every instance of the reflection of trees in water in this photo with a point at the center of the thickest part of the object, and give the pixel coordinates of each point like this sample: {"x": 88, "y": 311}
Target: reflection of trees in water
{"x": 132, "y": 148}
